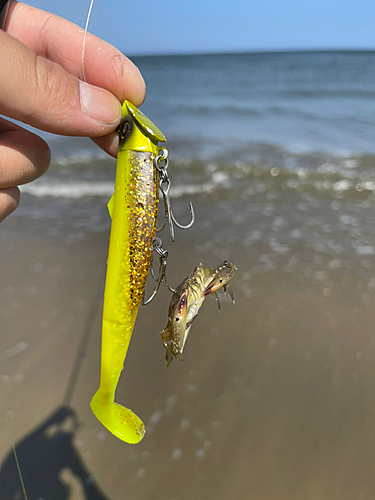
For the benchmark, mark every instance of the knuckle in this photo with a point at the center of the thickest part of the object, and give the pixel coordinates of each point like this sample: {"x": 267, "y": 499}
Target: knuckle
{"x": 48, "y": 25}
{"x": 50, "y": 85}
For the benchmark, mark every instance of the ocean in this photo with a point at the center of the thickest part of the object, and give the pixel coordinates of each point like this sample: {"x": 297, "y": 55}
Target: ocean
{"x": 249, "y": 137}
{"x": 276, "y": 398}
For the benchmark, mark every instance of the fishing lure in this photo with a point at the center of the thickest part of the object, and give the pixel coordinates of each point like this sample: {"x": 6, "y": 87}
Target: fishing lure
{"x": 133, "y": 208}
{"x": 186, "y": 302}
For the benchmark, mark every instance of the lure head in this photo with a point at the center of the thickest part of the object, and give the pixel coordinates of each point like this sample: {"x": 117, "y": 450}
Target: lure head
{"x": 137, "y": 132}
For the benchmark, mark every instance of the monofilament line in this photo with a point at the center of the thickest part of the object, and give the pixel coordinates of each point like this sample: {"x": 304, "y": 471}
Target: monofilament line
{"x": 84, "y": 41}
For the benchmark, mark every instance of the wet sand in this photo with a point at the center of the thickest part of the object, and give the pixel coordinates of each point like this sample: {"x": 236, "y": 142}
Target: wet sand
{"x": 276, "y": 398}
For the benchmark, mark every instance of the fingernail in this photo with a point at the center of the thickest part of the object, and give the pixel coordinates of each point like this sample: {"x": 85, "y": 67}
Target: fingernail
{"x": 99, "y": 104}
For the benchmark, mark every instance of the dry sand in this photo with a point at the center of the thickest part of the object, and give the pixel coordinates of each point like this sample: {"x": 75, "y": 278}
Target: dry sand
{"x": 275, "y": 401}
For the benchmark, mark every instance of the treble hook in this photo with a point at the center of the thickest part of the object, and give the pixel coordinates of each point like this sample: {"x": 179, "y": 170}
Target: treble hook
{"x": 165, "y": 185}
{"x": 163, "y": 254}
{"x": 168, "y": 214}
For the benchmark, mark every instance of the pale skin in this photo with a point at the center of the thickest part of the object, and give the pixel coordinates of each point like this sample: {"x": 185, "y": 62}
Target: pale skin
{"x": 41, "y": 85}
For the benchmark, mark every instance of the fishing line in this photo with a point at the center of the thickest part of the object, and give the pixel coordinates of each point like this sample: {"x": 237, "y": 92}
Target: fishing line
{"x": 19, "y": 472}
{"x": 20, "y": 477}
{"x": 84, "y": 41}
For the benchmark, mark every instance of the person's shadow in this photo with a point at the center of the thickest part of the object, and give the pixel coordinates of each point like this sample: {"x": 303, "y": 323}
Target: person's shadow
{"x": 45, "y": 464}
{"x": 48, "y": 464}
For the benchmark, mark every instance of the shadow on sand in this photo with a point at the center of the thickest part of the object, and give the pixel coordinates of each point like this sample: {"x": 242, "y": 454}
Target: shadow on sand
{"x": 50, "y": 466}
{"x": 46, "y": 460}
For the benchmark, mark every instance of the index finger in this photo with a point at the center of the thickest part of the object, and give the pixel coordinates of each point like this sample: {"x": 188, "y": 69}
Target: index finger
{"x": 104, "y": 65}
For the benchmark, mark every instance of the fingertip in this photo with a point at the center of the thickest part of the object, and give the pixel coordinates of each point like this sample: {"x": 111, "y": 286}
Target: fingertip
{"x": 24, "y": 156}
{"x": 124, "y": 78}
{"x": 141, "y": 90}
{"x": 9, "y": 201}
{"x": 45, "y": 157}
{"x": 108, "y": 143}
{"x": 99, "y": 104}
{"x": 38, "y": 153}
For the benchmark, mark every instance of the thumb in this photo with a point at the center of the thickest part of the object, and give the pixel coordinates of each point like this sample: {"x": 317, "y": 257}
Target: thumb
{"x": 41, "y": 93}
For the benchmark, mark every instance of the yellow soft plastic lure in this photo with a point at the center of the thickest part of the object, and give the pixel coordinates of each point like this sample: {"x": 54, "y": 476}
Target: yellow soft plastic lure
{"x": 134, "y": 212}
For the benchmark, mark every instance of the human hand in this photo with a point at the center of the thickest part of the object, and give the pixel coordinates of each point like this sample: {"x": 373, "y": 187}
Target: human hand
{"x": 40, "y": 85}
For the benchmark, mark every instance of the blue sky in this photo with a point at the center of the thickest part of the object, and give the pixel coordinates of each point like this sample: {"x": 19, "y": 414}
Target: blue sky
{"x": 191, "y": 26}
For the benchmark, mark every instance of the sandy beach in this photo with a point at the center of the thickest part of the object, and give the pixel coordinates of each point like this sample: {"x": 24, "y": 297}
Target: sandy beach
{"x": 274, "y": 401}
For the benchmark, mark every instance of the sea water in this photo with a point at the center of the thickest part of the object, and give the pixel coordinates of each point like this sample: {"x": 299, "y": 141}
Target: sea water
{"x": 272, "y": 148}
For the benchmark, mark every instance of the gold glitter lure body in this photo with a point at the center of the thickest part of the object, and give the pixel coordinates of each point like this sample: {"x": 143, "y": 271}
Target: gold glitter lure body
{"x": 134, "y": 211}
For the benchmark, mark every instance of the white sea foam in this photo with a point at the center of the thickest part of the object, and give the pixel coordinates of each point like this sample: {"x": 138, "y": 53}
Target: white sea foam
{"x": 12, "y": 351}
{"x": 69, "y": 190}
{"x": 365, "y": 250}
{"x": 80, "y": 189}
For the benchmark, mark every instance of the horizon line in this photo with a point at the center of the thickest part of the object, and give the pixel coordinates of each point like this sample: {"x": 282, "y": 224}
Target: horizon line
{"x": 258, "y": 51}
